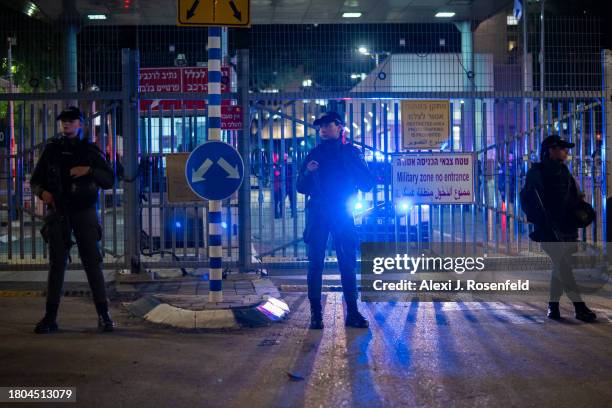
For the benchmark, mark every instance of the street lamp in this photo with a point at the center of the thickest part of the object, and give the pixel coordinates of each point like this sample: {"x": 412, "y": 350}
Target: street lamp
{"x": 363, "y": 50}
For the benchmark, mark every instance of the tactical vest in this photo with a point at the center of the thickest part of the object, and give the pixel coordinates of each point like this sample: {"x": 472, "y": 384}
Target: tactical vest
{"x": 76, "y": 193}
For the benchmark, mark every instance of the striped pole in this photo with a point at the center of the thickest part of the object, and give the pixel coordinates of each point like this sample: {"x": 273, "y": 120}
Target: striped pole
{"x": 215, "y": 250}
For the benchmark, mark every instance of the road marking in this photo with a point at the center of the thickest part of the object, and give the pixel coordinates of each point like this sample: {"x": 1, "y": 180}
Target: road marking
{"x": 21, "y": 293}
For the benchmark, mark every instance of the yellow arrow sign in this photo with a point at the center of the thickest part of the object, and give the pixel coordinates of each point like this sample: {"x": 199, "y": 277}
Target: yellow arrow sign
{"x": 235, "y": 13}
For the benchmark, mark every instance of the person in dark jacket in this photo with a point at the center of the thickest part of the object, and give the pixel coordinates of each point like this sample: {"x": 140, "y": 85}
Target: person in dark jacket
{"x": 67, "y": 178}
{"x": 330, "y": 176}
{"x": 279, "y": 199}
{"x": 549, "y": 198}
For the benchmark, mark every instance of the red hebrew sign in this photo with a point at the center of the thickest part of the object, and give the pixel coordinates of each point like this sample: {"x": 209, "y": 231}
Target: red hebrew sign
{"x": 183, "y": 79}
{"x": 231, "y": 117}
{"x": 187, "y": 80}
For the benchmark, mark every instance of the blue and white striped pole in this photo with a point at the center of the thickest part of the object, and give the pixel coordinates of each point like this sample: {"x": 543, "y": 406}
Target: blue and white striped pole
{"x": 215, "y": 249}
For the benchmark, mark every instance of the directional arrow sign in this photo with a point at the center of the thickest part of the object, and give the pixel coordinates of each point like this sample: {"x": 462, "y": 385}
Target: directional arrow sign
{"x": 214, "y": 170}
{"x": 198, "y": 175}
{"x": 192, "y": 9}
{"x": 235, "y": 13}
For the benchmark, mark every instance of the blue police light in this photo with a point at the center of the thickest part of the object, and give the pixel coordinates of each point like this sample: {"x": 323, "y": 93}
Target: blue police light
{"x": 178, "y": 224}
{"x": 224, "y": 224}
{"x": 358, "y": 205}
{"x": 405, "y": 205}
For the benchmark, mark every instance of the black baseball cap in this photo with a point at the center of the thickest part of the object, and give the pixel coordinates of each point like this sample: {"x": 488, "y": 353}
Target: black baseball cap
{"x": 329, "y": 117}
{"x": 70, "y": 113}
{"x": 556, "y": 141}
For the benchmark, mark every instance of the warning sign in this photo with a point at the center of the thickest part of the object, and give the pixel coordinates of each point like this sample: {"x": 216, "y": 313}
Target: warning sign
{"x": 231, "y": 117}
{"x": 184, "y": 79}
{"x": 425, "y": 124}
{"x": 434, "y": 178}
{"x": 178, "y": 190}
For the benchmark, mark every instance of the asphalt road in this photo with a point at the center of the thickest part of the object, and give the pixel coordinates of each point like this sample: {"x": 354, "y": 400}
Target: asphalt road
{"x": 414, "y": 354}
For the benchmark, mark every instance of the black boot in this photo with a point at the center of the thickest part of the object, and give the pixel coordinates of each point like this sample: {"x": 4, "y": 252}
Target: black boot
{"x": 584, "y": 313}
{"x": 353, "y": 317}
{"x": 316, "y": 315}
{"x": 553, "y": 311}
{"x": 48, "y": 323}
{"x": 105, "y": 323}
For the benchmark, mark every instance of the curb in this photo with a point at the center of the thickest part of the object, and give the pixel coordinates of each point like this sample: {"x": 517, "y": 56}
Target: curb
{"x": 20, "y": 293}
{"x": 262, "y": 313}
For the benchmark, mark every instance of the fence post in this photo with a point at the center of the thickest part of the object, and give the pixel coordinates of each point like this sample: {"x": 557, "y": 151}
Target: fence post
{"x": 605, "y": 146}
{"x": 244, "y": 148}
{"x": 131, "y": 137}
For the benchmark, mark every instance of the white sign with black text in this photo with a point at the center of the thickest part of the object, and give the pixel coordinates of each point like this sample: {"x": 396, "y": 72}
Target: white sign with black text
{"x": 433, "y": 178}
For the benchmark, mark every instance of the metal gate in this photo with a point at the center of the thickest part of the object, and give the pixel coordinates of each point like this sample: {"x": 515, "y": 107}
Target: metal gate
{"x": 32, "y": 123}
{"x": 495, "y": 114}
{"x": 174, "y": 234}
{"x": 507, "y": 133}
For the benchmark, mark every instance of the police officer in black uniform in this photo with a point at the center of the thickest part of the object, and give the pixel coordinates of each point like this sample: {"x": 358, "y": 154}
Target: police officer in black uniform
{"x": 556, "y": 207}
{"x": 330, "y": 175}
{"x": 67, "y": 179}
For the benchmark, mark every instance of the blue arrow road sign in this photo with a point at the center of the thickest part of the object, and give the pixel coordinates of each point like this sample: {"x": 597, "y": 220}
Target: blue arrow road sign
{"x": 214, "y": 170}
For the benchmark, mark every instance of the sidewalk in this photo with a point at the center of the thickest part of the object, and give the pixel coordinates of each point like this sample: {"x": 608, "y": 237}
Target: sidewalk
{"x": 183, "y": 302}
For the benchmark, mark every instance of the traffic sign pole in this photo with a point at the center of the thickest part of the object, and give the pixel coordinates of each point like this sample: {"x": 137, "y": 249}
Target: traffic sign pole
{"x": 214, "y": 171}
{"x": 215, "y": 249}
{"x": 200, "y": 172}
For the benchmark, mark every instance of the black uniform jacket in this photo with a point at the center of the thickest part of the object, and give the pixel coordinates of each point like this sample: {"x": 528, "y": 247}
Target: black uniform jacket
{"x": 342, "y": 171}
{"x": 52, "y": 173}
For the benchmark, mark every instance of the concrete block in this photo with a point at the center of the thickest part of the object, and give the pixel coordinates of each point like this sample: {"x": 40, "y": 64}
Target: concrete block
{"x": 181, "y": 318}
{"x": 160, "y": 313}
{"x": 215, "y": 319}
{"x": 143, "y": 305}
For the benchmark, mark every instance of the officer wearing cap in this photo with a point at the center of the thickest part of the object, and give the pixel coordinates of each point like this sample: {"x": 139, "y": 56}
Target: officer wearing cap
{"x": 556, "y": 207}
{"x": 330, "y": 176}
{"x": 67, "y": 178}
